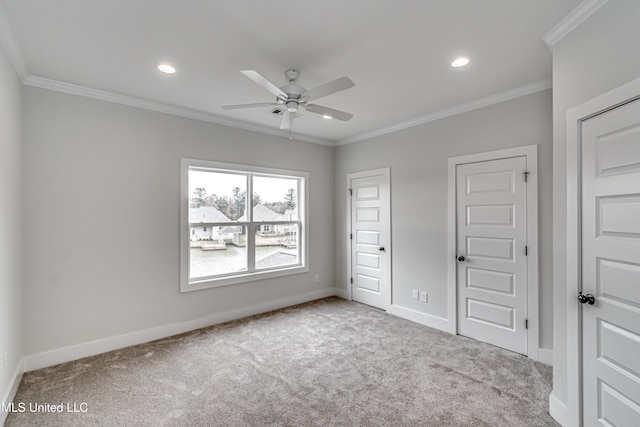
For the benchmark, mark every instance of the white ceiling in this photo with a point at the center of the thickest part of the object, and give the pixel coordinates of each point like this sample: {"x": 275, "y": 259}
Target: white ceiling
{"x": 397, "y": 53}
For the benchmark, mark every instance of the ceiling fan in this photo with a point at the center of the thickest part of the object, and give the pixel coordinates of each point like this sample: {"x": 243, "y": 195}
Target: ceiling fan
{"x": 292, "y": 98}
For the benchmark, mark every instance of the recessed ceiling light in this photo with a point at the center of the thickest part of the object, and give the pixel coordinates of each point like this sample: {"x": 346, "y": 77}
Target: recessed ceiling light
{"x": 328, "y": 117}
{"x": 460, "y": 62}
{"x": 166, "y": 68}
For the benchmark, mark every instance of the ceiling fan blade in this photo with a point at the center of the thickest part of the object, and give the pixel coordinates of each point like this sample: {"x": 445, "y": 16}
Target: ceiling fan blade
{"x": 259, "y": 104}
{"x": 328, "y": 88}
{"x": 287, "y": 120}
{"x": 329, "y": 112}
{"x": 262, "y": 81}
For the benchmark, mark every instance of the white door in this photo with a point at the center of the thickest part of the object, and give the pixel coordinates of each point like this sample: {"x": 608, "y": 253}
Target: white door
{"x": 611, "y": 267}
{"x": 491, "y": 227}
{"x": 370, "y": 242}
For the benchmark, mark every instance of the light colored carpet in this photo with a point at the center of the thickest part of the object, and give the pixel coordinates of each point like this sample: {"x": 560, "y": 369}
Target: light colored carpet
{"x": 325, "y": 363}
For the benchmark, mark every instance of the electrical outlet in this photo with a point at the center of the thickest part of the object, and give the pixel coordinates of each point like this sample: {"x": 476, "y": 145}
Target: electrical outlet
{"x": 317, "y": 277}
{"x": 414, "y": 294}
{"x": 424, "y": 297}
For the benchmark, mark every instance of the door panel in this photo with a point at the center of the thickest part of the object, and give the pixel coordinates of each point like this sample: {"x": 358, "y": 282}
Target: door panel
{"x": 368, "y": 214}
{"x": 370, "y": 234}
{"x": 368, "y": 261}
{"x": 368, "y": 283}
{"x": 492, "y": 314}
{"x": 618, "y": 153}
{"x": 491, "y": 280}
{"x": 367, "y": 237}
{"x": 491, "y": 235}
{"x": 490, "y": 182}
{"x": 618, "y": 281}
{"x": 615, "y": 408}
{"x": 611, "y": 267}
{"x": 490, "y": 215}
{"x": 613, "y": 343}
{"x": 491, "y": 248}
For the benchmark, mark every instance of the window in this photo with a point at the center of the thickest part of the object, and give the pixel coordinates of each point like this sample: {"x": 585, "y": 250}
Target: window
{"x": 228, "y": 237}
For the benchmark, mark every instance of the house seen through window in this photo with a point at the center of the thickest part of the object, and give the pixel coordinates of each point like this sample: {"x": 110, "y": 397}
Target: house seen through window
{"x": 242, "y": 223}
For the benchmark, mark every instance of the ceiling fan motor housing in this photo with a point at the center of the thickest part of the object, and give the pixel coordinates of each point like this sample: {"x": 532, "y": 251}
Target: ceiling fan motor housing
{"x": 293, "y": 91}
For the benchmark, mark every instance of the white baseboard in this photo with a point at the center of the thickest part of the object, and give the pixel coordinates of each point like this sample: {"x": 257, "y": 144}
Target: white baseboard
{"x": 10, "y": 393}
{"x": 92, "y": 348}
{"x": 545, "y": 356}
{"x": 418, "y": 317}
{"x": 558, "y": 410}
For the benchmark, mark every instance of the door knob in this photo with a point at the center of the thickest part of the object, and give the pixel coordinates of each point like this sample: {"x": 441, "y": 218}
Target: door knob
{"x": 586, "y": 299}
{"x": 382, "y": 249}
{"x": 460, "y": 258}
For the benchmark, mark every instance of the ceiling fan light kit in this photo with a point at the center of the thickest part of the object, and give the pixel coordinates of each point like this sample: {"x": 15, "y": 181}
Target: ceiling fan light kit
{"x": 292, "y": 106}
{"x": 292, "y": 98}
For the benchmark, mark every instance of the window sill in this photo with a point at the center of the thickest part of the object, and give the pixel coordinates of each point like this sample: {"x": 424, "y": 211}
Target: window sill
{"x": 207, "y": 283}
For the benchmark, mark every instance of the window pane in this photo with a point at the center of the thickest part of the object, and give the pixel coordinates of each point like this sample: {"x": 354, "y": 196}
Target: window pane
{"x": 276, "y": 245}
{"x": 278, "y": 195}
{"x": 222, "y": 251}
{"x": 226, "y": 193}
{"x": 216, "y": 197}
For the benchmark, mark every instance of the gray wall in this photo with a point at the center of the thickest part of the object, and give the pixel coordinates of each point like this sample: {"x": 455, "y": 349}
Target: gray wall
{"x": 101, "y": 188}
{"x": 418, "y": 160}
{"x": 101, "y": 214}
{"x": 599, "y": 55}
{"x": 10, "y": 224}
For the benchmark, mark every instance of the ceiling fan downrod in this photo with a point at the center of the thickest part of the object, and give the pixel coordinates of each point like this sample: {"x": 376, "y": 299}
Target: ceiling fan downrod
{"x": 291, "y": 75}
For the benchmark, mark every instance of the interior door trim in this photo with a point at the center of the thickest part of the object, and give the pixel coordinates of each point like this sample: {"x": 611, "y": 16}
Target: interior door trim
{"x": 531, "y": 154}
{"x": 575, "y": 116}
{"x": 386, "y": 172}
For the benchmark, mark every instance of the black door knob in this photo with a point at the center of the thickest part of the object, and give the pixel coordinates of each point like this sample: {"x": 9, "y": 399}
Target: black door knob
{"x": 382, "y": 249}
{"x": 460, "y": 258}
{"x": 586, "y": 299}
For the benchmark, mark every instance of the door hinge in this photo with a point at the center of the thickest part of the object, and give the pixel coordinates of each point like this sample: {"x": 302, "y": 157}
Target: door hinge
{"x": 351, "y": 236}
{"x": 526, "y": 176}
{"x": 526, "y": 251}
{"x": 350, "y": 192}
{"x": 352, "y": 280}
{"x": 526, "y": 323}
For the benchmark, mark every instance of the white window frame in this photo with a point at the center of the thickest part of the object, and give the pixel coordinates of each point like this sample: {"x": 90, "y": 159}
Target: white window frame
{"x": 252, "y": 273}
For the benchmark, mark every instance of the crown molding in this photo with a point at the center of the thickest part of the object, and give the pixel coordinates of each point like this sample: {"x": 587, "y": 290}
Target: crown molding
{"x": 8, "y": 40}
{"x": 572, "y": 20}
{"x": 101, "y": 95}
{"x": 458, "y": 109}
{"x": 160, "y": 107}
